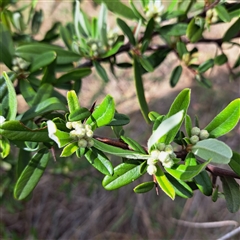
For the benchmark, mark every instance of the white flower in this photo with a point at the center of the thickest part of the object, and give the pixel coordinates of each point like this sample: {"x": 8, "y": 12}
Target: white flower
{"x": 169, "y": 149}
{"x": 164, "y": 157}
{"x": 155, "y": 154}
{"x": 152, "y": 161}
{"x": 2, "y": 119}
{"x": 151, "y": 169}
{"x": 168, "y": 164}
{"x": 69, "y": 125}
{"x": 52, "y": 129}
{"x": 154, "y": 9}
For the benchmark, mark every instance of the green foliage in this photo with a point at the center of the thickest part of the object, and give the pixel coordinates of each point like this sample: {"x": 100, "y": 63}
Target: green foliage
{"x": 38, "y": 69}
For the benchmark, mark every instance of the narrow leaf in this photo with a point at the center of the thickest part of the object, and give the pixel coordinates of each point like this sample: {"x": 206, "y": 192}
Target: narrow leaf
{"x": 165, "y": 127}
{"x": 175, "y": 76}
{"x": 133, "y": 144}
{"x": 164, "y": 183}
{"x": 69, "y": 149}
{"x": 124, "y": 174}
{"x": 12, "y": 98}
{"x": 226, "y": 120}
{"x": 223, "y": 13}
{"x": 235, "y": 163}
{"x": 117, "y": 151}
{"x": 104, "y": 113}
{"x": 126, "y": 30}
{"x": 144, "y": 187}
{"x": 140, "y": 90}
{"x": 101, "y": 71}
{"x": 31, "y": 174}
{"x": 232, "y": 31}
{"x": 232, "y": 193}
{"x": 79, "y": 114}
{"x": 73, "y": 102}
{"x": 100, "y": 161}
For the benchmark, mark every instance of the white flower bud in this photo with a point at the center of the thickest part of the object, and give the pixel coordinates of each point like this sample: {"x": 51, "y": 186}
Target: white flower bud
{"x": 69, "y": 125}
{"x": 151, "y": 169}
{"x": 155, "y": 154}
{"x": 81, "y": 132}
{"x": 15, "y": 68}
{"x": 161, "y": 146}
{"x": 169, "y": 149}
{"x": 194, "y": 139}
{"x": 195, "y": 131}
{"x": 82, "y": 143}
{"x": 214, "y": 19}
{"x": 88, "y": 127}
{"x": 90, "y": 143}
{"x": 89, "y": 133}
{"x": 203, "y": 134}
{"x": 152, "y": 161}
{"x": 168, "y": 164}
{"x": 209, "y": 13}
{"x": 164, "y": 157}
{"x": 73, "y": 134}
{"x": 2, "y": 119}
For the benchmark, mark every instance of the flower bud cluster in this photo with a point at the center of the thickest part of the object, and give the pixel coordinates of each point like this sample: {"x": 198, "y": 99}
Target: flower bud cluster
{"x": 96, "y": 46}
{"x": 211, "y": 16}
{"x": 164, "y": 154}
{"x": 19, "y": 64}
{"x": 82, "y": 133}
{"x": 154, "y": 10}
{"x": 198, "y": 134}
{"x": 112, "y": 37}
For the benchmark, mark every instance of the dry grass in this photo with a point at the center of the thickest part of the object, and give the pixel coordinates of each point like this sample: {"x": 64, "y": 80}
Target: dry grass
{"x": 77, "y": 207}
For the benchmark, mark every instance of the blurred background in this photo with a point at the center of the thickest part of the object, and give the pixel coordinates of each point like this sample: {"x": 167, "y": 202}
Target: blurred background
{"x": 70, "y": 203}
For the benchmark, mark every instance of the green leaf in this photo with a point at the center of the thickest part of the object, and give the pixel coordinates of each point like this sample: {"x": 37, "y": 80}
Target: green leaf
{"x": 27, "y": 91}
{"x": 177, "y": 29}
{"x": 218, "y": 151}
{"x": 223, "y": 13}
{"x": 175, "y": 76}
{"x": 144, "y": 187}
{"x": 181, "y": 102}
{"x": 42, "y": 108}
{"x": 203, "y": 182}
{"x": 73, "y": 103}
{"x": 101, "y": 71}
{"x": 184, "y": 172}
{"x": 119, "y": 8}
{"x": 146, "y": 64}
{"x": 203, "y": 81}
{"x": 220, "y": 59}
{"x": 31, "y": 174}
{"x": 12, "y": 98}
{"x": 69, "y": 149}
{"x": 206, "y": 65}
{"x": 127, "y": 31}
{"x": 117, "y": 151}
{"x": 113, "y": 50}
{"x": 4, "y": 147}
{"x": 235, "y": 163}
{"x": 140, "y": 89}
{"x": 99, "y": 160}
{"x": 164, "y": 183}
{"x": 149, "y": 30}
{"x": 226, "y": 120}
{"x": 79, "y": 114}
{"x": 6, "y": 46}
{"x": 153, "y": 116}
{"x": 119, "y": 120}
{"x": 194, "y": 32}
{"x": 135, "y": 11}
{"x": 188, "y": 125}
{"x": 181, "y": 188}
{"x": 165, "y": 128}
{"x": 103, "y": 114}
{"x": 133, "y": 144}
{"x": 23, "y": 159}
{"x": 15, "y": 130}
{"x": 66, "y": 37}
{"x": 181, "y": 49}
{"x": 31, "y": 50}
{"x": 44, "y": 92}
{"x": 75, "y": 75}
{"x": 124, "y": 174}
{"x": 232, "y": 31}
{"x": 215, "y": 194}
{"x": 102, "y": 24}
{"x": 232, "y": 193}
